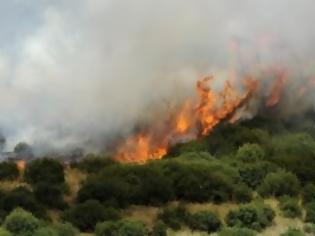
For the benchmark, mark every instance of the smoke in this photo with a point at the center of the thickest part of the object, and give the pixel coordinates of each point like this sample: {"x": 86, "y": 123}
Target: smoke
{"x": 77, "y": 72}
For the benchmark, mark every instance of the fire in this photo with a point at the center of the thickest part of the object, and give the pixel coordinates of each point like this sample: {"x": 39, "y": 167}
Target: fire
{"x": 277, "y": 88}
{"x": 192, "y": 119}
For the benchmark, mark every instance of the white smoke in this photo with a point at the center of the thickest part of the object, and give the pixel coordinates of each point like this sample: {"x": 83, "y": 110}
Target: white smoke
{"x": 89, "y": 68}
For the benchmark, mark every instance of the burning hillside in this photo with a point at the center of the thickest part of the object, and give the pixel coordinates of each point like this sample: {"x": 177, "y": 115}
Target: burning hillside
{"x": 198, "y": 115}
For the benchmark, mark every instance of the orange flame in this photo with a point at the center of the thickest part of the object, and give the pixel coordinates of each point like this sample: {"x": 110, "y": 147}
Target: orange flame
{"x": 194, "y": 118}
{"x": 277, "y": 88}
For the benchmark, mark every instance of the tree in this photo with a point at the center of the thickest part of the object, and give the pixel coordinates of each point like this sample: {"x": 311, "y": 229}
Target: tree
{"x": 86, "y": 215}
{"x": 49, "y": 195}
{"x": 121, "y": 228}
{"x": 256, "y": 216}
{"x": 46, "y": 170}
{"x": 45, "y": 231}
{"x": 65, "y": 229}
{"x": 204, "y": 221}
{"x": 290, "y": 207}
{"x": 250, "y": 153}
{"x": 8, "y": 170}
{"x": 159, "y": 229}
{"x": 24, "y": 150}
{"x": 310, "y": 212}
{"x": 308, "y": 193}
{"x": 293, "y": 232}
{"x": 279, "y": 184}
{"x": 21, "y": 223}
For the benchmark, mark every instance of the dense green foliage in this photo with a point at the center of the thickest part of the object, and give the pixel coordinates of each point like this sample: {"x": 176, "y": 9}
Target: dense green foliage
{"x": 293, "y": 232}
{"x": 204, "y": 221}
{"x": 8, "y": 170}
{"x": 290, "y": 207}
{"x": 121, "y": 228}
{"x": 256, "y": 216}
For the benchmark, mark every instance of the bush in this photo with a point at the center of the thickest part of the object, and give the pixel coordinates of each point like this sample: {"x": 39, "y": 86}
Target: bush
{"x": 4, "y": 232}
{"x": 309, "y": 228}
{"x": 237, "y": 232}
{"x": 46, "y": 231}
{"x": 86, "y": 215}
{"x": 8, "y": 170}
{"x": 293, "y": 232}
{"x": 174, "y": 217}
{"x": 256, "y": 216}
{"x": 290, "y": 207}
{"x": 310, "y": 212}
{"x": 49, "y": 195}
{"x": 279, "y": 184}
{"x": 94, "y": 164}
{"x": 253, "y": 174}
{"x": 159, "y": 229}
{"x": 121, "y": 228}
{"x": 204, "y": 221}
{"x": 46, "y": 170}
{"x": 242, "y": 194}
{"x": 65, "y": 229}
{"x": 21, "y": 223}
{"x": 24, "y": 198}
{"x": 250, "y": 153}
{"x": 308, "y": 193}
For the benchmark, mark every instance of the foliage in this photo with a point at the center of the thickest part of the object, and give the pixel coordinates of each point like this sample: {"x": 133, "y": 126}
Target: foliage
{"x": 121, "y": 228}
{"x": 8, "y": 170}
{"x": 309, "y": 228}
{"x": 45, "y": 231}
{"x": 204, "y": 221}
{"x": 21, "y": 223}
{"x": 174, "y": 217}
{"x": 310, "y": 212}
{"x": 86, "y": 215}
{"x": 65, "y": 229}
{"x": 24, "y": 198}
{"x": 4, "y": 232}
{"x": 279, "y": 184}
{"x": 249, "y": 153}
{"x": 242, "y": 193}
{"x": 235, "y": 231}
{"x": 94, "y": 164}
{"x": 49, "y": 195}
{"x": 256, "y": 216}
{"x": 308, "y": 193}
{"x": 290, "y": 207}
{"x": 252, "y": 174}
{"x": 159, "y": 229}
{"x": 293, "y": 232}
{"x": 46, "y": 170}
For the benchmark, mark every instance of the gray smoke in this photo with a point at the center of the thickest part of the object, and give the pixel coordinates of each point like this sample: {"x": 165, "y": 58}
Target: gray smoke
{"x": 73, "y": 73}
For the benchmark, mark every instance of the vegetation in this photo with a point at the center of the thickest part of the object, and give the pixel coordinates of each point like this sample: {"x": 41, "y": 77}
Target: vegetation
{"x": 241, "y": 166}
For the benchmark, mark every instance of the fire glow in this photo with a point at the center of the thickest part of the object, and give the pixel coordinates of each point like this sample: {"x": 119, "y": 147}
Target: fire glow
{"x": 194, "y": 118}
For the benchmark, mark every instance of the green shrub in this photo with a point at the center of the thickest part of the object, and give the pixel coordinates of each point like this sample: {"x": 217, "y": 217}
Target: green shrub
{"x": 252, "y": 174}
{"x": 86, "y": 215}
{"x": 308, "y": 193}
{"x": 279, "y": 184}
{"x": 293, "y": 232}
{"x": 237, "y": 232}
{"x": 45, "y": 231}
{"x": 256, "y": 216}
{"x": 290, "y": 207}
{"x": 159, "y": 229}
{"x": 242, "y": 193}
{"x": 4, "y": 232}
{"x": 21, "y": 223}
{"x": 250, "y": 153}
{"x": 121, "y": 228}
{"x": 65, "y": 229}
{"x": 94, "y": 164}
{"x": 309, "y": 229}
{"x": 8, "y": 170}
{"x": 174, "y": 217}
{"x": 46, "y": 170}
{"x": 24, "y": 198}
{"x": 204, "y": 221}
{"x": 49, "y": 195}
{"x": 310, "y": 212}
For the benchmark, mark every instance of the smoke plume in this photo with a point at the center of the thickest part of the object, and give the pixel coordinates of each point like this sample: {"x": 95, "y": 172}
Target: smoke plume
{"x": 75, "y": 73}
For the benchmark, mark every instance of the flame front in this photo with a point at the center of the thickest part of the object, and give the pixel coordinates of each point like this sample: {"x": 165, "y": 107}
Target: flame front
{"x": 194, "y": 118}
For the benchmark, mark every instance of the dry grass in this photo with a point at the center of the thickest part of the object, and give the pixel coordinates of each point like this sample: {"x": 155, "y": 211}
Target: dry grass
{"x": 10, "y": 185}
{"x": 74, "y": 179}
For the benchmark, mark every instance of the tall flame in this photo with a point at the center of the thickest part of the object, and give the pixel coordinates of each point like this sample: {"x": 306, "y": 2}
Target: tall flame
{"x": 194, "y": 118}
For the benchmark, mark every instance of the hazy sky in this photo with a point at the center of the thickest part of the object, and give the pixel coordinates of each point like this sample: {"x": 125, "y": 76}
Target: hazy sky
{"x": 72, "y": 72}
